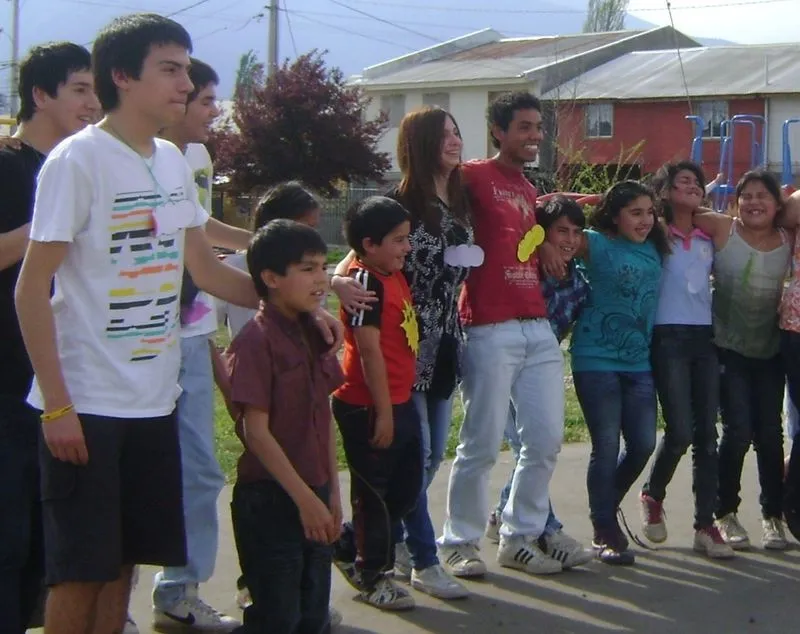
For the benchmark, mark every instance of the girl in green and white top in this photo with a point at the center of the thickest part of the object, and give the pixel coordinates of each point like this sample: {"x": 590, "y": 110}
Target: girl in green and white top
{"x": 750, "y": 266}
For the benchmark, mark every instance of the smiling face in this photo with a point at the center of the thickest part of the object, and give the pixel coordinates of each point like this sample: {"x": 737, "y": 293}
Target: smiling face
{"x": 757, "y": 206}
{"x": 520, "y": 143}
{"x": 636, "y": 219}
{"x": 451, "y": 146}
{"x": 390, "y": 255}
{"x": 163, "y": 86}
{"x": 74, "y": 106}
{"x": 686, "y": 191}
{"x": 565, "y": 236}
{"x": 200, "y": 114}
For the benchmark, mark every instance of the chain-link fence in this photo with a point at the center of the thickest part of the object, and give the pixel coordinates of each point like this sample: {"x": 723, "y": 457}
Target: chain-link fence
{"x": 334, "y": 209}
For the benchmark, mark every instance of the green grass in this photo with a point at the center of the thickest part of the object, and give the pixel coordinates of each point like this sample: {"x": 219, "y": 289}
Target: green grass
{"x": 229, "y": 448}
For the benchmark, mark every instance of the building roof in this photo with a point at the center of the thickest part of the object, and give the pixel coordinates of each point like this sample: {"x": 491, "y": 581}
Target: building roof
{"x": 709, "y": 72}
{"x": 487, "y": 56}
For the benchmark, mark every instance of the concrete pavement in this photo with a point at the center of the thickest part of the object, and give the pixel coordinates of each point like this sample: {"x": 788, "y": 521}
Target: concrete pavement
{"x": 668, "y": 591}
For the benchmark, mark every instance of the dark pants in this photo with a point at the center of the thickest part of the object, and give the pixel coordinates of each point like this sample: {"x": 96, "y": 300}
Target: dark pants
{"x": 21, "y": 540}
{"x": 289, "y": 576}
{"x": 686, "y": 374}
{"x": 385, "y": 484}
{"x": 790, "y": 352}
{"x": 751, "y": 398}
{"x": 614, "y": 403}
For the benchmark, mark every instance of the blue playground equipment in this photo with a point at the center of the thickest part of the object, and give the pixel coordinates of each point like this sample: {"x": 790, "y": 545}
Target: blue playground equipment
{"x": 696, "y": 155}
{"x": 786, "y": 153}
{"x": 727, "y": 140}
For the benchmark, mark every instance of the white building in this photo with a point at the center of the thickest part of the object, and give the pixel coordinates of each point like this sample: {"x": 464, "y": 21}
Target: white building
{"x": 464, "y": 74}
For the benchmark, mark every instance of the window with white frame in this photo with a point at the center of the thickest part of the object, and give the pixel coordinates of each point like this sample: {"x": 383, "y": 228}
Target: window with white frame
{"x": 395, "y": 107}
{"x": 713, "y": 113}
{"x": 441, "y": 99}
{"x": 599, "y": 120}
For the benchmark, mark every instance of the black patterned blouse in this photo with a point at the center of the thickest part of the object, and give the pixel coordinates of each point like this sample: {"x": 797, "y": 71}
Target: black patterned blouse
{"x": 434, "y": 288}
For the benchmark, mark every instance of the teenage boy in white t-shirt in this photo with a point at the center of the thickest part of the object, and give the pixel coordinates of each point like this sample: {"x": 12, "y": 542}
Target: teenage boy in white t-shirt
{"x": 175, "y": 591}
{"x": 116, "y": 216}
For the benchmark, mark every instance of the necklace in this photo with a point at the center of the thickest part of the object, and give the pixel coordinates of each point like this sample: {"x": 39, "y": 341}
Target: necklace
{"x": 164, "y": 197}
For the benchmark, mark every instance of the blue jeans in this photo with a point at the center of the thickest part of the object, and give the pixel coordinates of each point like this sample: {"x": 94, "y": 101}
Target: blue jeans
{"x": 435, "y": 415}
{"x": 21, "y": 539}
{"x": 202, "y": 476}
{"x": 614, "y": 403}
{"x": 520, "y": 361}
{"x": 553, "y": 525}
{"x": 289, "y": 576}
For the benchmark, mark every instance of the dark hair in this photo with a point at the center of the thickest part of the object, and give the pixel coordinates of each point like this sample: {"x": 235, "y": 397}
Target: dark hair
{"x": 664, "y": 180}
{"x": 201, "y": 75}
{"x": 47, "y": 67}
{"x": 560, "y": 207}
{"x": 767, "y": 179}
{"x": 123, "y": 46}
{"x": 279, "y": 244}
{"x": 615, "y": 199}
{"x": 287, "y": 200}
{"x": 374, "y": 218}
{"x": 501, "y": 110}
{"x": 419, "y": 150}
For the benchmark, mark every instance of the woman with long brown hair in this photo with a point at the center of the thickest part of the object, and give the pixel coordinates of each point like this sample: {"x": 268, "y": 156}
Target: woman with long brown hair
{"x": 442, "y": 251}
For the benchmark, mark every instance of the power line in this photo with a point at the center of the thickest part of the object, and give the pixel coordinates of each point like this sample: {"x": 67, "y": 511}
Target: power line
{"x": 133, "y": 7}
{"x": 385, "y": 21}
{"x": 194, "y": 5}
{"x": 356, "y": 33}
{"x": 291, "y": 32}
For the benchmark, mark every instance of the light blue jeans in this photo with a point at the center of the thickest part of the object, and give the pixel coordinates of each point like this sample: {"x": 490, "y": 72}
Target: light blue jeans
{"x": 435, "y": 415}
{"x": 202, "y": 477}
{"x": 520, "y": 361}
{"x": 553, "y": 524}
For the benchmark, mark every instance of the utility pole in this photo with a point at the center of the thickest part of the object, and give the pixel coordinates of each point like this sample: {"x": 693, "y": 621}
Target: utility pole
{"x": 272, "y": 42}
{"x": 14, "y": 96}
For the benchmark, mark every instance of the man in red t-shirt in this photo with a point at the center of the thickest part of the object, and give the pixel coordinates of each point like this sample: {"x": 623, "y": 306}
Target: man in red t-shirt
{"x": 511, "y": 354}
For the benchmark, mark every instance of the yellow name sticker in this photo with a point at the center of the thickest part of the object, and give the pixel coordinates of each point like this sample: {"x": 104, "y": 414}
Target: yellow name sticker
{"x": 530, "y": 241}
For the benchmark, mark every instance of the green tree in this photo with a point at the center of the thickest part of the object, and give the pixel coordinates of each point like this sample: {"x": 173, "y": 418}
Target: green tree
{"x": 605, "y": 15}
{"x": 249, "y": 75}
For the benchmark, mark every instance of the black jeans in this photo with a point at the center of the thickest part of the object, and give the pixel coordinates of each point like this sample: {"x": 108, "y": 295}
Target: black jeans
{"x": 21, "y": 538}
{"x": 385, "y": 484}
{"x": 686, "y": 374}
{"x": 790, "y": 351}
{"x": 751, "y": 396}
{"x": 289, "y": 577}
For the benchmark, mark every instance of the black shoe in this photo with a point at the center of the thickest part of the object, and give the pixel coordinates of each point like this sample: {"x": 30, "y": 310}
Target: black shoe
{"x": 344, "y": 557}
{"x": 612, "y": 546}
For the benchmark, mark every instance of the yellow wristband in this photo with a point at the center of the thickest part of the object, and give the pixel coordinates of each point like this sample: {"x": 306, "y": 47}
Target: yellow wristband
{"x": 57, "y": 413}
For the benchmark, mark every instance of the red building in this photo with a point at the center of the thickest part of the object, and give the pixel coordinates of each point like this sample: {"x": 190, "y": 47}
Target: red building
{"x": 632, "y": 110}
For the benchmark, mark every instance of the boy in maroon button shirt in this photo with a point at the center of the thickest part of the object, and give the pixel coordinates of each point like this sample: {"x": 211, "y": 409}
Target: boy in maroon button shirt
{"x": 286, "y": 505}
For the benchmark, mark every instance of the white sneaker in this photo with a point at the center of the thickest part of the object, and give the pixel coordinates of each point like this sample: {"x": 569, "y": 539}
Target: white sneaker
{"x": 652, "y": 513}
{"x": 434, "y": 581}
{"x": 402, "y": 561}
{"x": 462, "y": 560}
{"x": 773, "y": 537}
{"x": 387, "y": 595}
{"x": 192, "y": 615}
{"x": 130, "y": 626}
{"x": 733, "y": 532}
{"x": 492, "y": 531}
{"x": 709, "y": 541}
{"x": 243, "y": 598}
{"x": 524, "y": 554}
{"x": 334, "y": 617}
{"x": 569, "y": 552}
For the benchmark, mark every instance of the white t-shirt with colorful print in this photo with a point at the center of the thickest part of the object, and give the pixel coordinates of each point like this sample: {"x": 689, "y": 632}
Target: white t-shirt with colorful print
{"x": 117, "y": 293}
{"x": 201, "y": 317}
